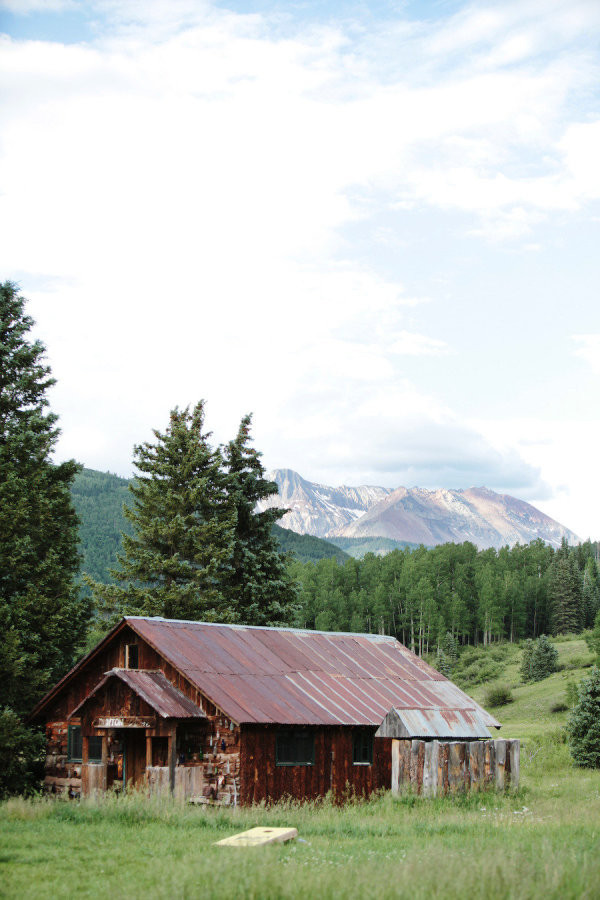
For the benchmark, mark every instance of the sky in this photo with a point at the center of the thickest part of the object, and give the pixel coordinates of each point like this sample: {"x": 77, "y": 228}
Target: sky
{"x": 375, "y": 226}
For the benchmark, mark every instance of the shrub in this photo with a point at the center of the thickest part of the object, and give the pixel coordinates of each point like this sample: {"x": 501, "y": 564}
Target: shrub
{"x": 559, "y": 706}
{"x": 21, "y": 756}
{"x": 498, "y": 695}
{"x": 583, "y": 727}
{"x": 540, "y": 659}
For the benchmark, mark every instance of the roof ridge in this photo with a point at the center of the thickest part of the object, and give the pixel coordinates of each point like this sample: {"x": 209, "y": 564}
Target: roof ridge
{"x": 372, "y": 637}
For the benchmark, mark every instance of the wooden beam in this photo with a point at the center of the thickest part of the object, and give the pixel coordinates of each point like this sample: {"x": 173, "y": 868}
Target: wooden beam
{"x": 172, "y": 757}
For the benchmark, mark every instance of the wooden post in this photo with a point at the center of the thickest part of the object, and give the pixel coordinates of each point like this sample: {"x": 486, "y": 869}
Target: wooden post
{"x": 500, "y": 746}
{"x": 85, "y": 750}
{"x": 148, "y": 752}
{"x": 430, "y": 769}
{"x": 395, "y": 766}
{"x": 477, "y": 764}
{"x": 456, "y": 767}
{"x": 515, "y": 758}
{"x": 172, "y": 757}
{"x": 105, "y": 749}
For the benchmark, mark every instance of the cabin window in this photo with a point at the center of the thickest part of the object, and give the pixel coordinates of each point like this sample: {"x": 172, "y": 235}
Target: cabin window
{"x": 131, "y": 656}
{"x": 295, "y": 748}
{"x": 75, "y": 746}
{"x": 362, "y": 751}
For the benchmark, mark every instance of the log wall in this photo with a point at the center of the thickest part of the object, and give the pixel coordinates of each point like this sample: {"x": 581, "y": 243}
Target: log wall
{"x": 441, "y": 767}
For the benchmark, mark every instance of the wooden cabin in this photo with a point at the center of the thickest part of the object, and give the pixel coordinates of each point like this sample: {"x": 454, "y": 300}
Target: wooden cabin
{"x": 240, "y": 714}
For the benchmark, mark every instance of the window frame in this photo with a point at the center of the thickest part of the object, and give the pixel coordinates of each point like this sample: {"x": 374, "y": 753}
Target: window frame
{"x": 290, "y": 735}
{"x": 71, "y": 736}
{"x": 362, "y": 739}
{"x": 128, "y": 648}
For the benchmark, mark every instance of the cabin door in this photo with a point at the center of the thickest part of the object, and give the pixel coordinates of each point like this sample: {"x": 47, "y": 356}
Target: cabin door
{"x": 135, "y": 758}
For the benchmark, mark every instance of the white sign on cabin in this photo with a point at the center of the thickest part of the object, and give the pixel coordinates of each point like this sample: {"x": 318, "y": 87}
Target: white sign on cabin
{"x": 124, "y": 722}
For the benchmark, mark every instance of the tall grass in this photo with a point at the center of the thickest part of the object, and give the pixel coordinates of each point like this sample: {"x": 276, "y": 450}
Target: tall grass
{"x": 538, "y": 842}
{"x": 532, "y": 843}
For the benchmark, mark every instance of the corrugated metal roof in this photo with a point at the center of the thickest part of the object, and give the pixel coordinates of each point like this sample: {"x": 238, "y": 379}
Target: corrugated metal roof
{"x": 156, "y": 690}
{"x": 295, "y": 677}
{"x": 457, "y": 724}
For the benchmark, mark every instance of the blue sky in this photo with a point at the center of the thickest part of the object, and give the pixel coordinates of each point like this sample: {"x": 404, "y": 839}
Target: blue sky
{"x": 376, "y": 226}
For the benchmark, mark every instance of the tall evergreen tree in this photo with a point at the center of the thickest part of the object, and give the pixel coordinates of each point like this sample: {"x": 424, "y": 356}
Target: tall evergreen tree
{"x": 177, "y": 561}
{"x": 590, "y": 592}
{"x": 566, "y": 601}
{"x": 42, "y": 618}
{"x": 258, "y": 585}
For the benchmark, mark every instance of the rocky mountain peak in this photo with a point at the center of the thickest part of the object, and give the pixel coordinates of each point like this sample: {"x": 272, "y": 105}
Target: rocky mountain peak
{"x": 415, "y": 515}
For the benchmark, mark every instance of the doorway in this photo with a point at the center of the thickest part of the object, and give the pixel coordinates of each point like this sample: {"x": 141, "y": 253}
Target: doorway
{"x": 134, "y": 763}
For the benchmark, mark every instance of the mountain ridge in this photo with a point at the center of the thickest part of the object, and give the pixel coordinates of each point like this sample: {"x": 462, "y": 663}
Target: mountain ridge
{"x": 413, "y": 515}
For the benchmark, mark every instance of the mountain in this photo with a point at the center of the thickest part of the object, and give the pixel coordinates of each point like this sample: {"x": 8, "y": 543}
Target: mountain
{"x": 412, "y": 515}
{"x": 98, "y": 498}
{"x": 317, "y": 509}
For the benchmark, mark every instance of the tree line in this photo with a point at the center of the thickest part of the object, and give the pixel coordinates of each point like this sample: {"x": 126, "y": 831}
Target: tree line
{"x": 478, "y": 596}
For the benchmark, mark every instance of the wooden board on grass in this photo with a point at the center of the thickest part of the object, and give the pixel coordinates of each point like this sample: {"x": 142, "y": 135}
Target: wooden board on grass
{"x": 256, "y": 837}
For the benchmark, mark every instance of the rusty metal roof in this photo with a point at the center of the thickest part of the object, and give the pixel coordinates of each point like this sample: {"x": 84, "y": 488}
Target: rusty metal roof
{"x": 296, "y": 677}
{"x": 456, "y": 724}
{"x": 156, "y": 690}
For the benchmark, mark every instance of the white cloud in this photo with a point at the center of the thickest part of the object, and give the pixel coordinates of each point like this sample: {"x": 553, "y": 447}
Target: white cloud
{"x": 24, "y": 7}
{"x": 183, "y": 186}
{"x": 566, "y": 453}
{"x": 408, "y": 344}
{"x": 589, "y": 349}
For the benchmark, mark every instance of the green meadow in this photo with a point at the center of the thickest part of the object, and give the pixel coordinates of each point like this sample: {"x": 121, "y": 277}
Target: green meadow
{"x": 541, "y": 841}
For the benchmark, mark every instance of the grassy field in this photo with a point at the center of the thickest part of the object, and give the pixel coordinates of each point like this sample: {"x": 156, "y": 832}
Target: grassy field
{"x": 539, "y": 842}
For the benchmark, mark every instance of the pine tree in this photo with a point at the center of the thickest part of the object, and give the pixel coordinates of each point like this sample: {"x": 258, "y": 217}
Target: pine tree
{"x": 592, "y": 638}
{"x": 42, "y": 618}
{"x": 566, "y": 602}
{"x": 258, "y": 585}
{"x": 590, "y": 592}
{"x": 583, "y": 726}
{"x": 177, "y": 561}
{"x": 544, "y": 659}
{"x": 449, "y": 646}
{"x": 442, "y": 663}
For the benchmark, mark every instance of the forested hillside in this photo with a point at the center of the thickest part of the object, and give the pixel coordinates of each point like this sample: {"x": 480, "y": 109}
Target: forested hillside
{"x": 416, "y": 594}
{"x": 479, "y": 596}
{"x": 99, "y": 497}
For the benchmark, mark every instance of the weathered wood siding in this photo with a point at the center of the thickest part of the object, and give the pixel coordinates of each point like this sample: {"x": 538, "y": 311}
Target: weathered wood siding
{"x": 333, "y": 769}
{"x": 441, "y": 767}
{"x": 219, "y": 748}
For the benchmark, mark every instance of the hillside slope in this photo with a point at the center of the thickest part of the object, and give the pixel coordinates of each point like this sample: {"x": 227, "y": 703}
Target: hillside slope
{"x": 98, "y": 498}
